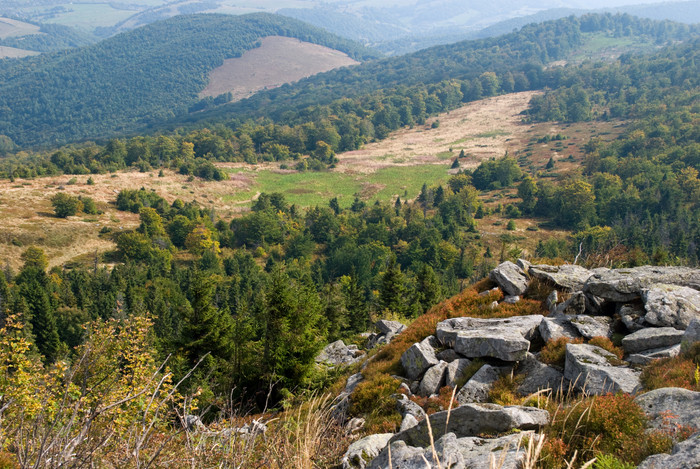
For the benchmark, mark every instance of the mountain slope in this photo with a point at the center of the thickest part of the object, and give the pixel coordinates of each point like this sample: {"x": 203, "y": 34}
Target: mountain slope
{"x": 139, "y": 77}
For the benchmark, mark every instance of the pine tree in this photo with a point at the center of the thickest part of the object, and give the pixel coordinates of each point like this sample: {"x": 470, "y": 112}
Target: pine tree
{"x": 428, "y": 289}
{"x": 42, "y": 319}
{"x": 391, "y": 294}
{"x": 358, "y": 313}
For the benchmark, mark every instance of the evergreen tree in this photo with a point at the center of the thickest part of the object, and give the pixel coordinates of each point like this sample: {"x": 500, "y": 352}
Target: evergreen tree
{"x": 42, "y": 319}
{"x": 392, "y": 292}
{"x": 427, "y": 288}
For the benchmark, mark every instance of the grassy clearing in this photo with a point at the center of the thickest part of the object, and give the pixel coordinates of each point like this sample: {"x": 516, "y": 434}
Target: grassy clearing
{"x": 308, "y": 189}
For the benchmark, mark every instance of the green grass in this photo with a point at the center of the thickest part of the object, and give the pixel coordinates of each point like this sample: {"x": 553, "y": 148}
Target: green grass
{"x": 88, "y": 16}
{"x": 493, "y": 133}
{"x": 317, "y": 188}
{"x": 598, "y": 43}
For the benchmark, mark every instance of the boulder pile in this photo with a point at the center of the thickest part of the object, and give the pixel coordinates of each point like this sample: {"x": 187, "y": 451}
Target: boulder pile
{"x": 655, "y": 309}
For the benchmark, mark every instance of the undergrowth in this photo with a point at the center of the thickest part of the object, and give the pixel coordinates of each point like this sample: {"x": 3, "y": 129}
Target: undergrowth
{"x": 682, "y": 371}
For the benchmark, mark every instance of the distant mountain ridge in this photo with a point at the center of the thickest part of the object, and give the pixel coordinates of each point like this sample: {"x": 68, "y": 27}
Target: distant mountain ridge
{"x": 142, "y": 76}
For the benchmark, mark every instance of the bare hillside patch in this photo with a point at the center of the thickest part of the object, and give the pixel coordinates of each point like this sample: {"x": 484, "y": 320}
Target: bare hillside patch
{"x": 13, "y": 53}
{"x": 14, "y": 28}
{"x": 277, "y": 61}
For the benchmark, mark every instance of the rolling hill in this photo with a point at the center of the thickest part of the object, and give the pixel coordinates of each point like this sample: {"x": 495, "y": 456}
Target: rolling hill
{"x": 124, "y": 83}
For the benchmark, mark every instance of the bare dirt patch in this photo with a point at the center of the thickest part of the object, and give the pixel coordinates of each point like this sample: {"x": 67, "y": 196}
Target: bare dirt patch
{"x": 13, "y": 53}
{"x": 483, "y": 129}
{"x": 277, "y": 61}
{"x": 15, "y": 28}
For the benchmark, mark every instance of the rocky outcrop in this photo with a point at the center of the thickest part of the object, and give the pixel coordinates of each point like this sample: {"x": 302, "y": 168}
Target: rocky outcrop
{"x": 418, "y": 358}
{"x": 624, "y": 285}
{"x": 457, "y": 453}
{"x": 473, "y": 420}
{"x": 557, "y": 326}
{"x": 671, "y": 305}
{"x": 691, "y": 335}
{"x": 339, "y": 354}
{"x": 564, "y": 277}
{"x": 598, "y": 371}
{"x": 361, "y": 452}
{"x": 455, "y": 371}
{"x": 538, "y": 376}
{"x": 592, "y": 326}
{"x": 433, "y": 379}
{"x": 510, "y": 278}
{"x": 387, "y": 331}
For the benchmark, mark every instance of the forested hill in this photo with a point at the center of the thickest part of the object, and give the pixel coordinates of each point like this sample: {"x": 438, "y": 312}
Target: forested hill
{"x": 126, "y": 82}
{"x": 516, "y": 60}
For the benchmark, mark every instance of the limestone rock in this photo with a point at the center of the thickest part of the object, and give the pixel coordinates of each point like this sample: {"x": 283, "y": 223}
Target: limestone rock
{"x": 478, "y": 387}
{"x": 457, "y": 453}
{"x": 455, "y": 371}
{"x": 539, "y": 376}
{"x": 692, "y": 334}
{"x": 671, "y": 305}
{"x": 592, "y": 326}
{"x": 624, "y": 285}
{"x": 647, "y": 356}
{"x": 557, "y": 326}
{"x": 433, "y": 379}
{"x": 418, "y": 358}
{"x": 685, "y": 455}
{"x": 507, "y": 345}
{"x": 361, "y": 452}
{"x": 409, "y": 421}
{"x": 651, "y": 338}
{"x": 408, "y": 407}
{"x": 524, "y": 265}
{"x": 671, "y": 406}
{"x": 565, "y": 277}
{"x": 594, "y": 369}
{"x": 510, "y": 278}
{"x": 474, "y": 419}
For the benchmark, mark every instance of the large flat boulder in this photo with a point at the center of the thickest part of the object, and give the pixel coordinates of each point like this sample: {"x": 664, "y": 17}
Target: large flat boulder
{"x": 473, "y": 420}
{"x": 506, "y": 345}
{"x": 538, "y": 376}
{"x": 478, "y": 387}
{"x": 671, "y": 406}
{"x": 457, "y": 453}
{"x": 624, "y": 285}
{"x": 685, "y": 455}
{"x": 526, "y": 326}
{"x": 592, "y": 326}
{"x": 647, "y": 356}
{"x": 596, "y": 371}
{"x": 671, "y": 305}
{"x": 510, "y": 278}
{"x": 564, "y": 277}
{"x": 651, "y": 338}
{"x": 338, "y": 354}
{"x": 418, "y": 358}
{"x": 389, "y": 327}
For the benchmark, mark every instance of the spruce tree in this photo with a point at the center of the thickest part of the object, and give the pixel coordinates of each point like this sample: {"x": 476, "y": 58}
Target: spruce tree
{"x": 391, "y": 294}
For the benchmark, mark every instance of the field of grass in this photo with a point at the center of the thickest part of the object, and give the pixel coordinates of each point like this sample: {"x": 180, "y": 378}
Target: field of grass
{"x": 308, "y": 189}
{"x": 601, "y": 46}
{"x": 88, "y": 16}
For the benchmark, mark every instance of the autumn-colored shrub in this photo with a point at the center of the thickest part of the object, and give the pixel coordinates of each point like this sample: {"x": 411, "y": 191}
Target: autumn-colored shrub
{"x": 505, "y": 390}
{"x": 554, "y": 351}
{"x": 679, "y": 372}
{"x": 373, "y": 400}
{"x": 606, "y": 344}
{"x": 438, "y": 403}
{"x": 610, "y": 424}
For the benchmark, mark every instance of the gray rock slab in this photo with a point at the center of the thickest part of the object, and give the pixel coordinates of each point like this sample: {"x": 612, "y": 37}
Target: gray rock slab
{"x": 593, "y": 369}
{"x": 510, "y": 278}
{"x": 526, "y": 326}
{"x": 418, "y": 358}
{"x": 457, "y": 453}
{"x": 507, "y": 345}
{"x": 448, "y": 355}
{"x": 433, "y": 379}
{"x": 651, "y": 338}
{"x": 455, "y": 371}
{"x": 692, "y": 334}
{"x": 671, "y": 305}
{"x": 556, "y": 326}
{"x": 647, "y": 356}
{"x": 478, "y": 387}
{"x": 624, "y": 285}
{"x": 592, "y": 326}
{"x": 474, "y": 419}
{"x": 338, "y": 353}
{"x": 565, "y": 277}
{"x": 671, "y": 406}
{"x": 539, "y": 376}
{"x": 576, "y": 304}
{"x": 361, "y": 452}
{"x": 385, "y": 326}
{"x": 409, "y": 421}
{"x": 685, "y": 455}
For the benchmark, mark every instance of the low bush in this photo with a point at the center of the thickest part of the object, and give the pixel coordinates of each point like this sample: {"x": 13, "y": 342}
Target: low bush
{"x": 554, "y": 351}
{"x": 680, "y": 372}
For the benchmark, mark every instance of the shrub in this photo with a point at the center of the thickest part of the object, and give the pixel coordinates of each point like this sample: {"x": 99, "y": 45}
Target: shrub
{"x": 679, "y": 372}
{"x": 438, "y": 403}
{"x": 373, "y": 399}
{"x": 505, "y": 390}
{"x": 608, "y": 461}
{"x": 554, "y": 351}
{"x": 65, "y": 205}
{"x": 606, "y": 344}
